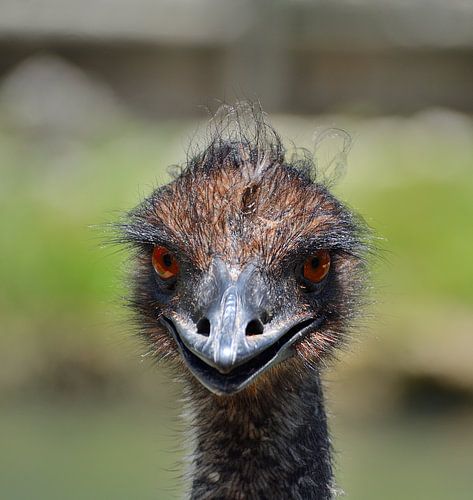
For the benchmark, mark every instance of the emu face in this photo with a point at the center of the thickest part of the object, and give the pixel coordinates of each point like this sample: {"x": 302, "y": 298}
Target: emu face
{"x": 244, "y": 263}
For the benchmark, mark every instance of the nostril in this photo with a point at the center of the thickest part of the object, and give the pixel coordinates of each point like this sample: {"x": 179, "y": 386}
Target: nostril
{"x": 254, "y": 327}
{"x": 203, "y": 327}
{"x": 265, "y": 318}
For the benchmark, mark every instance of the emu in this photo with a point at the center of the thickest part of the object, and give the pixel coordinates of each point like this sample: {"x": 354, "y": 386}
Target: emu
{"x": 248, "y": 274}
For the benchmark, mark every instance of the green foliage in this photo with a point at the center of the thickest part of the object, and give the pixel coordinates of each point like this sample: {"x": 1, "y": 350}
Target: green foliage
{"x": 412, "y": 179}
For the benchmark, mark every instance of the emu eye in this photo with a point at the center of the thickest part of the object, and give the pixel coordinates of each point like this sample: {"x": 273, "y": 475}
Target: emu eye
{"x": 164, "y": 263}
{"x": 316, "y": 266}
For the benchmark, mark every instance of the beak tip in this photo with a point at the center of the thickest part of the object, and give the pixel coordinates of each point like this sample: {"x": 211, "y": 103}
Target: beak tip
{"x": 224, "y": 360}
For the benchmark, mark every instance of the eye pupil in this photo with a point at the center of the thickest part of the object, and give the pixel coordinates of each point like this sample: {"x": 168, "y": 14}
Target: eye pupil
{"x": 315, "y": 262}
{"x": 167, "y": 260}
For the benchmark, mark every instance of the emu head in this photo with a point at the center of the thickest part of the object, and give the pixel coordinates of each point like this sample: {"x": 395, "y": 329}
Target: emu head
{"x": 246, "y": 267}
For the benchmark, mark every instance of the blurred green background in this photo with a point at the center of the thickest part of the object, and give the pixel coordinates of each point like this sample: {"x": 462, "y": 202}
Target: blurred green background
{"x": 91, "y": 116}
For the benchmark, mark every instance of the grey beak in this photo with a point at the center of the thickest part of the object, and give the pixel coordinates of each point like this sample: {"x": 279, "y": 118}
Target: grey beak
{"x": 225, "y": 338}
{"x": 231, "y": 344}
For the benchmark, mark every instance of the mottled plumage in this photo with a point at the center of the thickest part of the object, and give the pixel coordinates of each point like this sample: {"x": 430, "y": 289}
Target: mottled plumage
{"x": 241, "y": 219}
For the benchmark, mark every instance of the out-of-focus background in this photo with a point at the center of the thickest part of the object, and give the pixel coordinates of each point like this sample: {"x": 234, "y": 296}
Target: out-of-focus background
{"x": 97, "y": 98}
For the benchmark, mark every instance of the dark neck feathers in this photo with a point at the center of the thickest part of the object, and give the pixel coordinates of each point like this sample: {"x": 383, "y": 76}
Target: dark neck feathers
{"x": 270, "y": 444}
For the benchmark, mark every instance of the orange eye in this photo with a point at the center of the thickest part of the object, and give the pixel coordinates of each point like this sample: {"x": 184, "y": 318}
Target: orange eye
{"x": 317, "y": 266}
{"x": 164, "y": 263}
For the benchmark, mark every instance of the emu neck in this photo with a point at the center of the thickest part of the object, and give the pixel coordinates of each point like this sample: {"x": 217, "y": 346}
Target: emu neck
{"x": 268, "y": 444}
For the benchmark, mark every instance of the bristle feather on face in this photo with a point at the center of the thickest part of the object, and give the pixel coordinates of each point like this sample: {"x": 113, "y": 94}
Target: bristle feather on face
{"x": 241, "y": 200}
{"x": 247, "y": 276}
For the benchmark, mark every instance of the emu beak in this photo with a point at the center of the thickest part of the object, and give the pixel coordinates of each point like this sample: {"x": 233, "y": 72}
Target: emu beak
{"x": 230, "y": 345}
